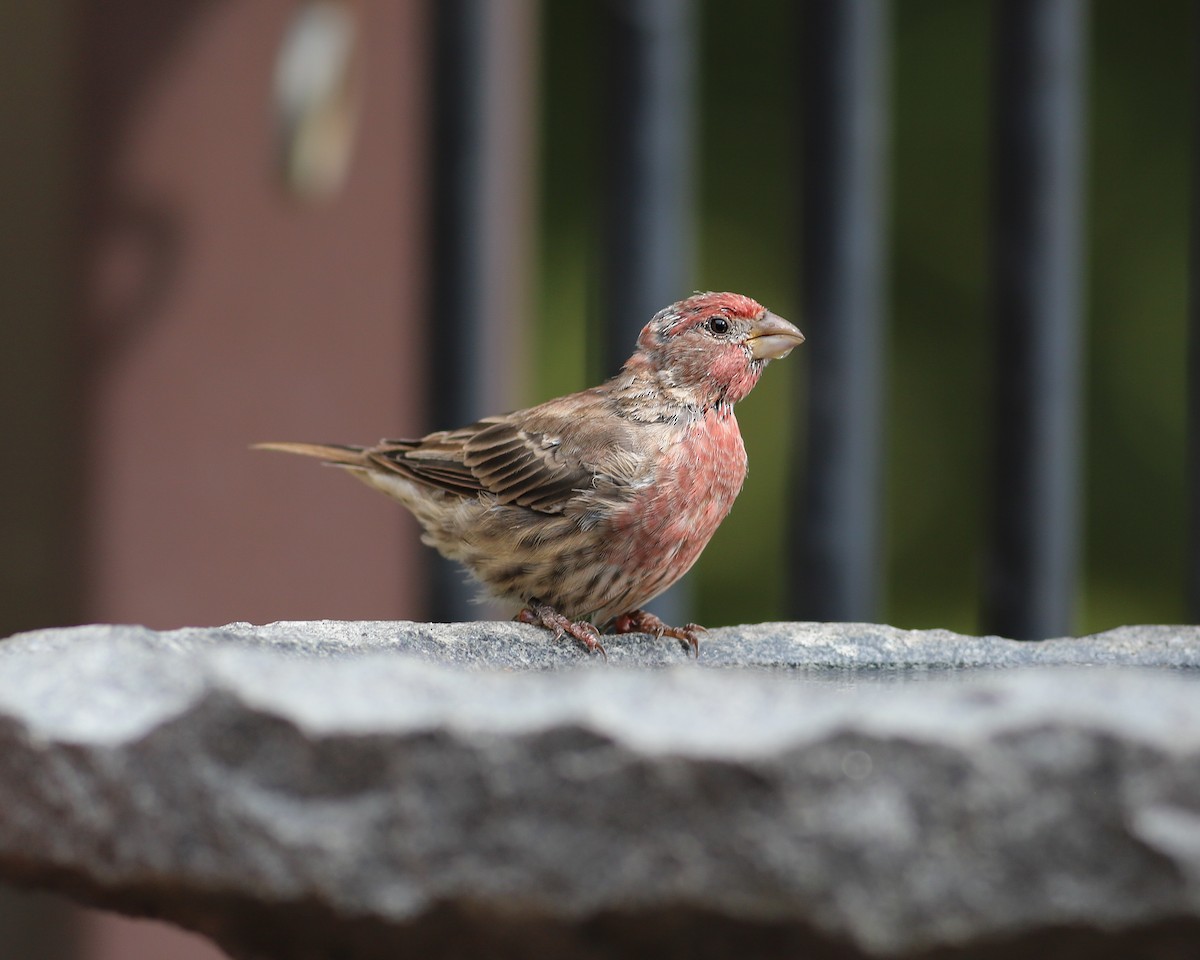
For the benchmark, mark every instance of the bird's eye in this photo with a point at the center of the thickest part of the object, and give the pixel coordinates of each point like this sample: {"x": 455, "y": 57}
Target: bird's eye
{"x": 718, "y": 325}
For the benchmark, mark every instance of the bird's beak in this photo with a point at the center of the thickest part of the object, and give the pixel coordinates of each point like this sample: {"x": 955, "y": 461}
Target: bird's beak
{"x": 772, "y": 338}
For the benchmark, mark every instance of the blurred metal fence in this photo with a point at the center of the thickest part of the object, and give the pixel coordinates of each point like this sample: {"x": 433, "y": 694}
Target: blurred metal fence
{"x": 835, "y": 564}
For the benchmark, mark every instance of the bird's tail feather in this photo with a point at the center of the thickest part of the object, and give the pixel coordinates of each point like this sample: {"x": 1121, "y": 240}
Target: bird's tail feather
{"x": 341, "y": 455}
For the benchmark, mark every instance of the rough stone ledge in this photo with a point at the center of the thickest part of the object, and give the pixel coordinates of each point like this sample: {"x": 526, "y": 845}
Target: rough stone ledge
{"x": 348, "y": 789}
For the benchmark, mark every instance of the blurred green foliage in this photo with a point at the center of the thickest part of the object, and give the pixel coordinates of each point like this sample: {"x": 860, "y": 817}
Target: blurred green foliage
{"x": 938, "y": 481}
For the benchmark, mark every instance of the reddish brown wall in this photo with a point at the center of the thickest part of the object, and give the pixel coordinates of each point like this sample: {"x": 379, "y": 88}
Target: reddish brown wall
{"x": 220, "y": 311}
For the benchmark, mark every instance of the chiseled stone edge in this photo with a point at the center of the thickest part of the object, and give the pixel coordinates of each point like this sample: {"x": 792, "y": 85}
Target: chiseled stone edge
{"x": 821, "y": 646}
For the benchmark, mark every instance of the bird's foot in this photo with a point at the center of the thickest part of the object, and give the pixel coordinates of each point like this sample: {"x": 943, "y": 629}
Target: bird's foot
{"x": 544, "y": 615}
{"x": 642, "y": 621}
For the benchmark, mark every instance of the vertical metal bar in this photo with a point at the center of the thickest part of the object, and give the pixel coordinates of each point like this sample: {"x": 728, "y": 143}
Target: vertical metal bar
{"x": 481, "y": 145}
{"x": 836, "y": 532}
{"x": 1039, "y": 116}
{"x": 649, "y": 81}
{"x": 648, "y": 169}
{"x": 1193, "y": 452}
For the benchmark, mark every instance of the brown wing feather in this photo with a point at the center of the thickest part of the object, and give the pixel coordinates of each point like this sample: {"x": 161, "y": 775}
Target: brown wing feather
{"x": 539, "y": 458}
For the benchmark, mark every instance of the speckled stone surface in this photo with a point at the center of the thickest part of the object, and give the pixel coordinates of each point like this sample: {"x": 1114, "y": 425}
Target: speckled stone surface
{"x": 369, "y": 790}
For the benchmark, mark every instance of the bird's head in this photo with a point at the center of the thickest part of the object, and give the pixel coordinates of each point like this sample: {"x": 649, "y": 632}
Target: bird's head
{"x": 712, "y": 346}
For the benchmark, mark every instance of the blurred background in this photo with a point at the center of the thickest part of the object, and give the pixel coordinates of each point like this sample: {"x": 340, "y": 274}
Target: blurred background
{"x": 350, "y": 219}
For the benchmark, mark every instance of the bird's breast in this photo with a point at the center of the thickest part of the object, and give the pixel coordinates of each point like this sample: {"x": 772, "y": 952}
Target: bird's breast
{"x": 694, "y": 488}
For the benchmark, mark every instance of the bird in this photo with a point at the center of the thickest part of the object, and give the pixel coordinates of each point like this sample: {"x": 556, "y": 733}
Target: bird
{"x": 582, "y": 509}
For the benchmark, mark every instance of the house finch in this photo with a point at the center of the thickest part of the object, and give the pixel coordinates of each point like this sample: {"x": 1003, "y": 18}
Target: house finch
{"x": 584, "y": 508}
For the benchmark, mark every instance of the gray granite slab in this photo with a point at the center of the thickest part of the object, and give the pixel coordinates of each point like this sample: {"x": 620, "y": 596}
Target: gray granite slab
{"x": 353, "y": 790}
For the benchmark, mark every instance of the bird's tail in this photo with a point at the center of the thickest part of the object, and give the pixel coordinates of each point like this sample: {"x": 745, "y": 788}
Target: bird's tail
{"x": 341, "y": 455}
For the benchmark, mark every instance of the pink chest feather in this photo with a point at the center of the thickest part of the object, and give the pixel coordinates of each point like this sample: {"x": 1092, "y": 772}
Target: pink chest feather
{"x": 694, "y": 491}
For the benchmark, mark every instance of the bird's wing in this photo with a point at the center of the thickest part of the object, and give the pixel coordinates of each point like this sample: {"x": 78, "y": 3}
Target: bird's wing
{"x": 538, "y": 458}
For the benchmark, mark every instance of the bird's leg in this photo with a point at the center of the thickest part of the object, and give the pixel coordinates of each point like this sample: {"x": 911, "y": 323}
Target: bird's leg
{"x": 544, "y": 615}
{"x": 642, "y": 621}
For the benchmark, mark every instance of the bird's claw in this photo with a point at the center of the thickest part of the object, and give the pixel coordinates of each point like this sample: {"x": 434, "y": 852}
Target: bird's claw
{"x": 544, "y": 615}
{"x": 642, "y": 621}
